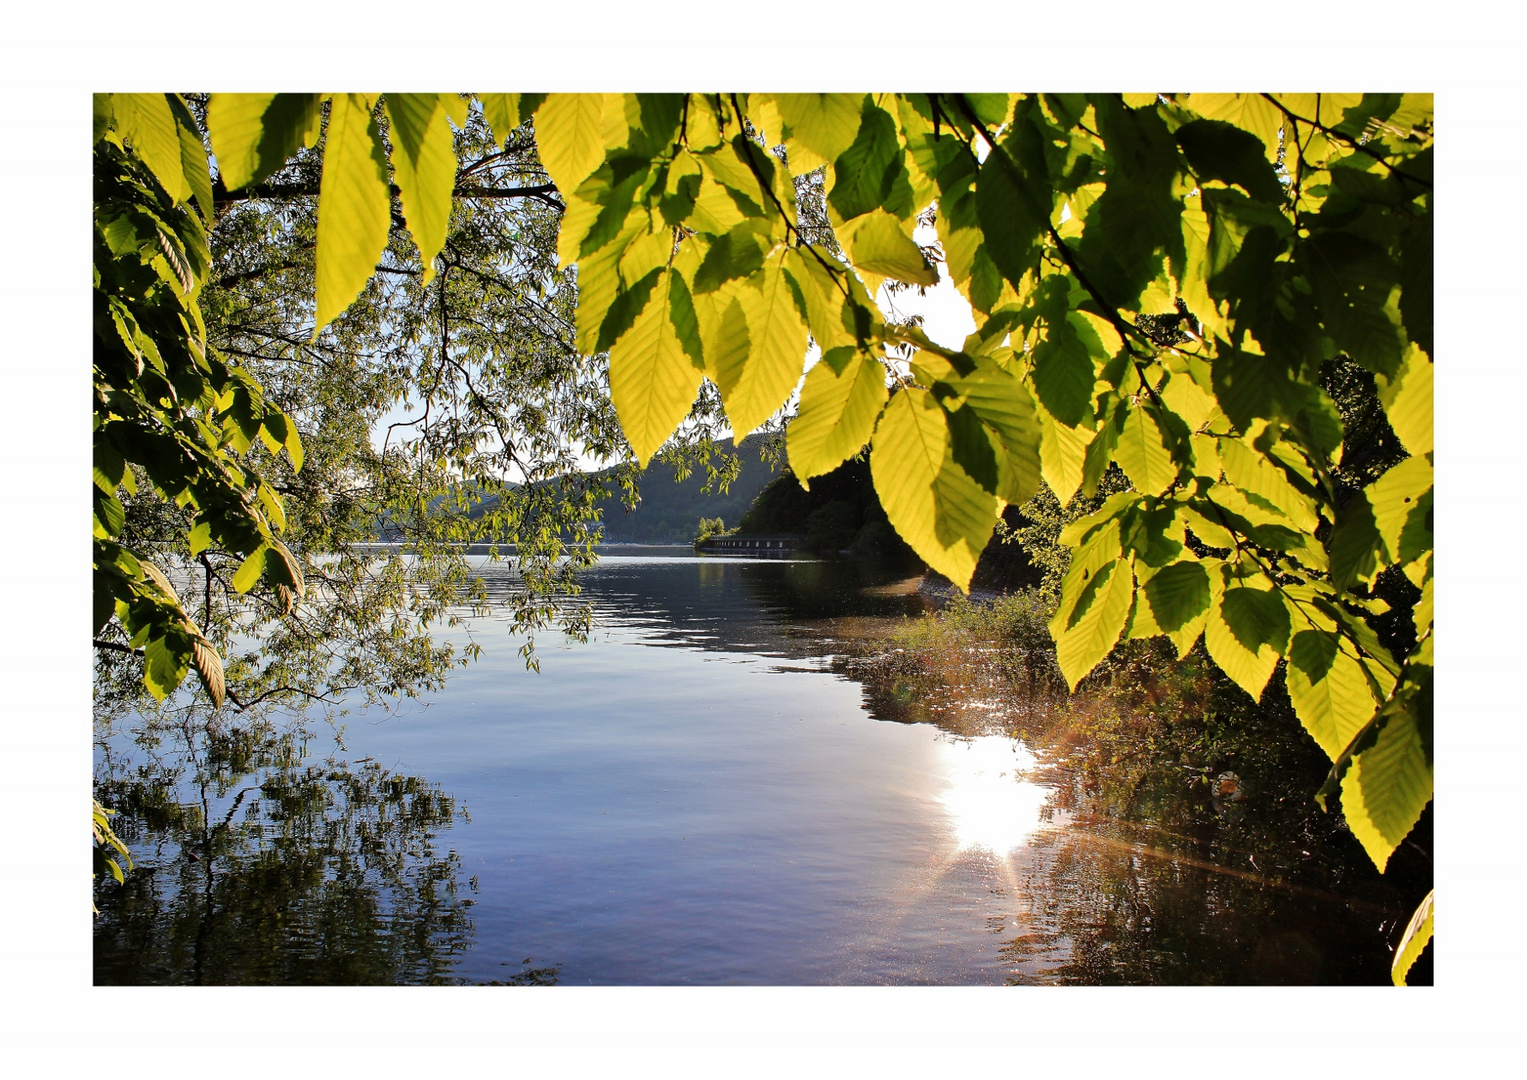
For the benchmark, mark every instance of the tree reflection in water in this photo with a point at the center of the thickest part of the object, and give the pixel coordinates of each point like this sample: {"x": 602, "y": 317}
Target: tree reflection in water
{"x": 1176, "y": 841}
{"x": 254, "y": 864}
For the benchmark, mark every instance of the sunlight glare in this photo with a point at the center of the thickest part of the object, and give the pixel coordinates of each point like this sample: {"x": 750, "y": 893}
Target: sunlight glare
{"x": 989, "y": 805}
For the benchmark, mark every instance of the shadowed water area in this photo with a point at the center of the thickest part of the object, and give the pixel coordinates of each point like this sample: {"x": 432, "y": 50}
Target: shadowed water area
{"x": 717, "y": 789}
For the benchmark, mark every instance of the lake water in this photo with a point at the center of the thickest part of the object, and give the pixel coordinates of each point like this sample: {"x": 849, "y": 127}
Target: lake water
{"x": 697, "y": 795}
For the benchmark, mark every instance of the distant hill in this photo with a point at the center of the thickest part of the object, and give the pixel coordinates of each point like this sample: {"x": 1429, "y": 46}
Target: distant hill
{"x": 669, "y": 512}
{"x": 841, "y": 512}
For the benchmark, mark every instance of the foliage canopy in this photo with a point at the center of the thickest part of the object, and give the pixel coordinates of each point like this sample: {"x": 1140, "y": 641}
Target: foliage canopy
{"x": 1160, "y": 282}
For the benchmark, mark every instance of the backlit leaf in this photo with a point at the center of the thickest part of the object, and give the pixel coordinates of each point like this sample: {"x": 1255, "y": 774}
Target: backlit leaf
{"x": 1063, "y": 374}
{"x": 253, "y": 135}
{"x": 826, "y": 124}
{"x": 933, "y": 504}
{"x": 1417, "y": 933}
{"x": 1062, "y": 451}
{"x": 570, "y": 136}
{"x": 879, "y": 245}
{"x": 1387, "y": 788}
{"x": 1331, "y": 696}
{"x": 146, "y": 122}
{"x": 754, "y": 390}
{"x": 1246, "y": 633}
{"x": 354, "y": 206}
{"x": 1097, "y": 621}
{"x": 652, "y": 379}
{"x": 249, "y": 571}
{"x": 837, "y": 416}
{"x": 1143, "y": 454}
{"x": 424, "y": 165}
{"x": 1407, "y": 401}
{"x": 502, "y": 112}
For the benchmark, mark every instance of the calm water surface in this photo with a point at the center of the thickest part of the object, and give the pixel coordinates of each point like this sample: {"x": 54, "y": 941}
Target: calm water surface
{"x": 696, "y": 795}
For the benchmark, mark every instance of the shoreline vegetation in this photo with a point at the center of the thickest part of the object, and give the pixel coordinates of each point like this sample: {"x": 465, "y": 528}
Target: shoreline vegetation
{"x": 1167, "y": 753}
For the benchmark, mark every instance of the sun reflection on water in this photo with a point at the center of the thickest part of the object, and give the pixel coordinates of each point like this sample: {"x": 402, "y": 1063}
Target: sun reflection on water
{"x": 989, "y": 804}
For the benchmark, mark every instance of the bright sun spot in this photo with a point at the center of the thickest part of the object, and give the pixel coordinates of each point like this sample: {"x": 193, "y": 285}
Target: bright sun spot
{"x": 989, "y": 806}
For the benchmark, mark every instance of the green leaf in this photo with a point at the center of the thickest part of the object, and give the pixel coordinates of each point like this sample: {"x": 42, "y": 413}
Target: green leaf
{"x": 1352, "y": 278}
{"x": 103, "y": 115}
{"x": 249, "y": 571}
{"x": 1417, "y": 933}
{"x": 1011, "y": 218}
{"x": 1250, "y": 386}
{"x": 865, "y": 174}
{"x": 1219, "y": 151}
{"x": 354, "y": 206}
{"x": 424, "y": 166}
{"x": 754, "y": 390}
{"x": 1178, "y": 596}
{"x": 652, "y": 379}
{"x": 1255, "y": 475}
{"x": 165, "y": 663}
{"x": 1143, "y": 454}
{"x": 735, "y": 254}
{"x": 253, "y": 135}
{"x": 1252, "y": 112}
{"x": 1402, "y": 505}
{"x": 1407, "y": 400}
{"x": 1063, "y": 374}
{"x": 933, "y": 504}
{"x": 1331, "y": 696}
{"x": 1096, "y": 622}
{"x": 825, "y": 124}
{"x": 502, "y": 112}
{"x": 193, "y": 156}
{"x": 1062, "y": 453}
{"x": 569, "y": 131}
{"x": 837, "y": 416}
{"x": 879, "y": 245}
{"x": 109, "y": 514}
{"x": 1416, "y": 281}
{"x": 146, "y": 122}
{"x": 1353, "y": 547}
{"x": 1387, "y": 788}
{"x": 603, "y": 312}
{"x": 1246, "y": 633}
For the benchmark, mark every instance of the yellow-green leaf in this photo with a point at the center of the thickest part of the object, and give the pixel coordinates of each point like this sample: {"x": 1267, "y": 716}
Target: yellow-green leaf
{"x": 825, "y": 124}
{"x": 837, "y": 416}
{"x": 933, "y": 504}
{"x": 1401, "y": 504}
{"x": 570, "y": 136}
{"x": 1247, "y": 631}
{"x": 1417, "y": 933}
{"x": 1386, "y": 788}
{"x": 1407, "y": 401}
{"x": 354, "y": 206}
{"x": 1097, "y": 621}
{"x": 424, "y": 165}
{"x": 652, "y": 379}
{"x": 146, "y": 122}
{"x": 1062, "y": 455}
{"x": 1252, "y": 112}
{"x": 752, "y": 391}
{"x": 1255, "y": 475}
{"x": 1143, "y": 455}
{"x": 502, "y": 112}
{"x": 878, "y": 244}
{"x": 1331, "y": 696}
{"x": 250, "y": 570}
{"x": 253, "y": 135}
